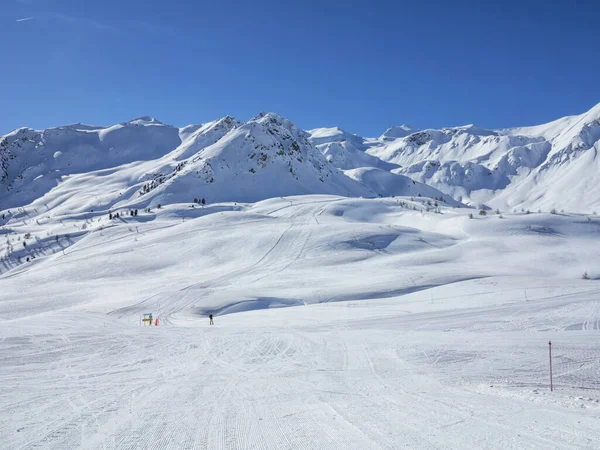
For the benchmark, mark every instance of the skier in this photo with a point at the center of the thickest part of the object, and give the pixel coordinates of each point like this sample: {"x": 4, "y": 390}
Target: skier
{"x": 211, "y": 319}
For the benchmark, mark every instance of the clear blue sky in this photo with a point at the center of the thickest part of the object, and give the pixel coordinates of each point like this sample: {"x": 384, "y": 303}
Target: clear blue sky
{"x": 361, "y": 65}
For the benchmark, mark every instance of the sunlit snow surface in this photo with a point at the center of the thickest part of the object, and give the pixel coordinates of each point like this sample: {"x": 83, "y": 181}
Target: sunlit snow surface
{"x": 339, "y": 323}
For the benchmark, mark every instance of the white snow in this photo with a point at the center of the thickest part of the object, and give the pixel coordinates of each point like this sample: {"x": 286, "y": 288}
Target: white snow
{"x": 355, "y": 306}
{"x": 339, "y": 323}
{"x": 389, "y": 184}
{"x": 548, "y": 166}
{"x": 397, "y": 132}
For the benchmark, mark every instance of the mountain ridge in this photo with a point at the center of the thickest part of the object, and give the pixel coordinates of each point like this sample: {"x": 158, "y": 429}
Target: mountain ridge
{"x": 514, "y": 168}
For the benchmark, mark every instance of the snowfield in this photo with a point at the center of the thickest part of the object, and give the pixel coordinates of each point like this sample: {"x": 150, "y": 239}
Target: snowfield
{"x": 361, "y": 323}
{"x": 555, "y": 165}
{"x": 361, "y": 301}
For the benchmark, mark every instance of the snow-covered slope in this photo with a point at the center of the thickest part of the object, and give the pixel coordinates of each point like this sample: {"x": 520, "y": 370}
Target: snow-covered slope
{"x": 397, "y": 132}
{"x": 142, "y": 163}
{"x": 266, "y": 157}
{"x": 344, "y": 155}
{"x": 346, "y": 151}
{"x": 339, "y": 323}
{"x": 335, "y": 134}
{"x": 543, "y": 167}
{"x": 33, "y": 162}
{"x": 388, "y": 184}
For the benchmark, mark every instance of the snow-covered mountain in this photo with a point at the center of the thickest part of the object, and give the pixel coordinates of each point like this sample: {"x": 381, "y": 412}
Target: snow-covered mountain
{"x": 34, "y": 162}
{"x": 266, "y": 157}
{"x": 144, "y": 162}
{"x": 397, "y": 132}
{"x": 388, "y": 184}
{"x": 345, "y": 150}
{"x": 555, "y": 165}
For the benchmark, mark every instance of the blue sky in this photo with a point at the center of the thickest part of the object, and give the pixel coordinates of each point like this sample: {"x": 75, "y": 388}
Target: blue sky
{"x": 360, "y": 65}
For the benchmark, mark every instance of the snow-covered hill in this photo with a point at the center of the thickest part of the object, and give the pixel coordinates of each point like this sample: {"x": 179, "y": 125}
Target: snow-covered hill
{"x": 388, "y": 184}
{"x": 144, "y": 163}
{"x": 555, "y": 165}
{"x": 397, "y": 132}
{"x": 34, "y": 162}
{"x": 339, "y": 323}
{"x": 264, "y": 158}
{"x": 346, "y": 151}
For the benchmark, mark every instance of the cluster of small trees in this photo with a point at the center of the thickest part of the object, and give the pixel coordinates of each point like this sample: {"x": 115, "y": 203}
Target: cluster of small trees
{"x": 159, "y": 179}
{"x": 131, "y": 212}
{"x": 435, "y": 204}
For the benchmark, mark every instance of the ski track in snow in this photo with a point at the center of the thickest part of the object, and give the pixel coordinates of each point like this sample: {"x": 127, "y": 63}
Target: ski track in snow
{"x": 458, "y": 361}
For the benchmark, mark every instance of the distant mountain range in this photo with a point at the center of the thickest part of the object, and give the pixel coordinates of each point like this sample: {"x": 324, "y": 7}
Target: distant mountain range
{"x": 145, "y": 162}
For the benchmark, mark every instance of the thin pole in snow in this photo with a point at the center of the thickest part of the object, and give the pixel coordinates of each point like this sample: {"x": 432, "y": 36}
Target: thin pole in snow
{"x": 550, "y": 357}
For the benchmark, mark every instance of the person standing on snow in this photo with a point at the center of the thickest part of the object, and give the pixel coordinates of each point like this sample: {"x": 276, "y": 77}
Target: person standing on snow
{"x": 211, "y": 319}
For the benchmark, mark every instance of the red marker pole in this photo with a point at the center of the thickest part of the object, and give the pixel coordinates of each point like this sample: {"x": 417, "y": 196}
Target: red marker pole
{"x": 550, "y": 357}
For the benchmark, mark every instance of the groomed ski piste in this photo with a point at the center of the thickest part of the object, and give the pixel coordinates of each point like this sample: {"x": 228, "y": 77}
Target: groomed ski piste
{"x": 340, "y": 323}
